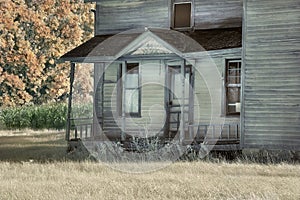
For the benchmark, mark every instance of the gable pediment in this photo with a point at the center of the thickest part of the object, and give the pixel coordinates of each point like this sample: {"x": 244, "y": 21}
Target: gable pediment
{"x": 150, "y": 47}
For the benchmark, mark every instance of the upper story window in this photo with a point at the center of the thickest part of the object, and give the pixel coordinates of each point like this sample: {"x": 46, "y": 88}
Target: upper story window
{"x": 233, "y": 86}
{"x": 182, "y": 13}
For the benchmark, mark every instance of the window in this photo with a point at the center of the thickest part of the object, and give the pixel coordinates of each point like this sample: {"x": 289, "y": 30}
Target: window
{"x": 182, "y": 15}
{"x": 176, "y": 82}
{"x": 233, "y": 86}
{"x": 132, "y": 90}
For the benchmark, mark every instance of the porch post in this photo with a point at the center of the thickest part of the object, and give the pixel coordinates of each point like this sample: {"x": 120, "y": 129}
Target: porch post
{"x": 72, "y": 71}
{"x": 167, "y": 98}
{"x": 191, "y": 102}
{"x": 182, "y": 101}
{"x": 98, "y": 97}
{"x": 123, "y": 101}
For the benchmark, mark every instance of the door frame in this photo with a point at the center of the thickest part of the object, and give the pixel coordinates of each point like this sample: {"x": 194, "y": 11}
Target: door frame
{"x": 188, "y": 69}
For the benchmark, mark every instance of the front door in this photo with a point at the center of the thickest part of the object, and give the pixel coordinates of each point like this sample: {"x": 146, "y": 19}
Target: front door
{"x": 178, "y": 95}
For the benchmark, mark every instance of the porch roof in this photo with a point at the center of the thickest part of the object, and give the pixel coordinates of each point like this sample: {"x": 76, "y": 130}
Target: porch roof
{"x": 110, "y": 47}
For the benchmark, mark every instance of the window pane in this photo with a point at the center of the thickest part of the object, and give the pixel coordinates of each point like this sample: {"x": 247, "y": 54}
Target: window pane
{"x": 182, "y": 15}
{"x": 132, "y": 81}
{"x": 231, "y": 109}
{"x": 233, "y": 81}
{"x": 233, "y": 95}
{"x": 131, "y": 92}
{"x": 234, "y": 73}
{"x": 132, "y": 101}
{"x": 177, "y": 85}
{"x": 132, "y": 68}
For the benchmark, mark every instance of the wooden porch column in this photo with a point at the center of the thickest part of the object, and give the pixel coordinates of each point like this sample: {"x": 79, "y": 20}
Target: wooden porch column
{"x": 98, "y": 97}
{"x": 166, "y": 96}
{"x": 191, "y": 102}
{"x": 72, "y": 72}
{"x": 123, "y": 134}
{"x": 182, "y": 126}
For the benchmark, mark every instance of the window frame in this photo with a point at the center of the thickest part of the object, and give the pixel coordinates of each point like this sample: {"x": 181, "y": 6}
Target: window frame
{"x": 228, "y": 85}
{"x": 121, "y": 92}
{"x": 173, "y": 7}
{"x": 187, "y": 74}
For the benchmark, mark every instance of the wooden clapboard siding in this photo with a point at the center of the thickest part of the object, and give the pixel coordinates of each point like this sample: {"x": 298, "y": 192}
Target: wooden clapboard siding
{"x": 152, "y": 95}
{"x": 202, "y": 101}
{"x": 152, "y": 99}
{"x": 109, "y": 100}
{"x": 202, "y": 96}
{"x": 114, "y": 16}
{"x": 271, "y": 106}
{"x": 218, "y": 13}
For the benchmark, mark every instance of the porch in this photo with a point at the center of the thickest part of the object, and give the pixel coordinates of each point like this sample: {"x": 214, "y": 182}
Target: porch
{"x": 145, "y": 89}
{"x": 228, "y": 139}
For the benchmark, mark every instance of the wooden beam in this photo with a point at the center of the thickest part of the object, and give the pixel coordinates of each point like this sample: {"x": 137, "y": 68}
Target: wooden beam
{"x": 191, "y": 100}
{"x": 102, "y": 79}
{"x": 172, "y": 56}
{"x": 243, "y": 71}
{"x": 95, "y": 120}
{"x": 119, "y": 90}
{"x": 123, "y": 133}
{"x": 182, "y": 126}
{"x": 72, "y": 72}
{"x": 98, "y": 97}
{"x": 167, "y": 98}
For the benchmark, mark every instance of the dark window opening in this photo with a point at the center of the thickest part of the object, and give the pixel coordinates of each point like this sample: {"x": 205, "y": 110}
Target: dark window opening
{"x": 182, "y": 15}
{"x": 233, "y": 87}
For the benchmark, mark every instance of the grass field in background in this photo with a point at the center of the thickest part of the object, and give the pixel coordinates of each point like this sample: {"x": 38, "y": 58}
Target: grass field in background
{"x": 28, "y": 145}
{"x": 33, "y": 165}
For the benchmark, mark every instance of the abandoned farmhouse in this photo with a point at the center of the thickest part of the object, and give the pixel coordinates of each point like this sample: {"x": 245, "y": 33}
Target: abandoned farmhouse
{"x": 224, "y": 73}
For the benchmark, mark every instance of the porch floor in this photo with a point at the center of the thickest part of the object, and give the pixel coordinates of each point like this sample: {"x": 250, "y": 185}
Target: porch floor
{"x": 195, "y": 135}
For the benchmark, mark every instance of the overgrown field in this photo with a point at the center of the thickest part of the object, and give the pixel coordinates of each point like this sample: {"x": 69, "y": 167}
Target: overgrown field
{"x": 33, "y": 166}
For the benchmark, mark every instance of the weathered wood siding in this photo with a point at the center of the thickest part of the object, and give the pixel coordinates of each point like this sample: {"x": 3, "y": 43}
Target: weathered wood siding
{"x": 271, "y": 74}
{"x": 218, "y": 13}
{"x": 202, "y": 97}
{"x": 106, "y": 98}
{"x": 152, "y": 101}
{"x": 114, "y": 16}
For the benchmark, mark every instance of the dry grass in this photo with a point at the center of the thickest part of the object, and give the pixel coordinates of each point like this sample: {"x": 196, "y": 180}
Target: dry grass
{"x": 199, "y": 180}
{"x": 28, "y": 174}
{"x": 20, "y": 146}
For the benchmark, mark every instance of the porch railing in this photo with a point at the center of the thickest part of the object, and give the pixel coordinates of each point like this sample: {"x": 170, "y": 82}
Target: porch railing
{"x": 218, "y": 132}
{"x": 81, "y": 128}
{"x": 228, "y": 132}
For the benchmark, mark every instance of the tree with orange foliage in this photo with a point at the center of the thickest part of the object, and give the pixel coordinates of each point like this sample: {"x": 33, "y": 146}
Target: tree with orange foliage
{"x": 33, "y": 35}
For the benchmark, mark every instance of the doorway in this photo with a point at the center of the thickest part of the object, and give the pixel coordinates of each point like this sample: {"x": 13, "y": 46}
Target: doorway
{"x": 178, "y": 95}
